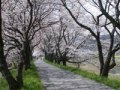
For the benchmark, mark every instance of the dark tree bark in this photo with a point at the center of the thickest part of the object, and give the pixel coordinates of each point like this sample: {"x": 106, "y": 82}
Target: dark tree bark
{"x": 64, "y": 62}
{"x": 27, "y": 52}
{"x": 100, "y": 52}
{"x": 20, "y": 74}
{"x": 27, "y": 57}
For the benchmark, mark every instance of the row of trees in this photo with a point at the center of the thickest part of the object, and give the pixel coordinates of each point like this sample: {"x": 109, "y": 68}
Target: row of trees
{"x": 110, "y": 11}
{"x": 20, "y": 22}
{"x": 106, "y": 20}
{"x": 60, "y": 44}
{"x": 59, "y": 29}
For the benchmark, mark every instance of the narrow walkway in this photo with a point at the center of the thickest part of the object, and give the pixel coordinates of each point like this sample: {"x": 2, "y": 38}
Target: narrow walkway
{"x": 54, "y": 78}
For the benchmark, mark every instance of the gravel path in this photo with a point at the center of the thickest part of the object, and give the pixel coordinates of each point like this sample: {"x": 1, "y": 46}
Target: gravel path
{"x": 54, "y": 78}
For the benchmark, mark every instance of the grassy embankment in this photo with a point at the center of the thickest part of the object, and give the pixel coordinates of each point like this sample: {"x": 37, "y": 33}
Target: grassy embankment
{"x": 31, "y": 80}
{"x": 114, "y": 83}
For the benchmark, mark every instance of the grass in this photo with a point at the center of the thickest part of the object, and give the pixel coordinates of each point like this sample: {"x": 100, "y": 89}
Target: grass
{"x": 114, "y": 83}
{"x": 3, "y": 84}
{"x": 31, "y": 80}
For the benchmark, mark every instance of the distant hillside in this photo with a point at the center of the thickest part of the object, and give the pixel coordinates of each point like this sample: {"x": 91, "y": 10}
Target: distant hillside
{"x": 105, "y": 37}
{"x": 90, "y": 44}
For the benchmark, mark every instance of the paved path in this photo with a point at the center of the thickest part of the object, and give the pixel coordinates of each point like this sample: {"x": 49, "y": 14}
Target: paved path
{"x": 54, "y": 78}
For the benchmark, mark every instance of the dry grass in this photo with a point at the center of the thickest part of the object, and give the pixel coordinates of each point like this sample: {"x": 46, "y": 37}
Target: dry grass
{"x": 94, "y": 69}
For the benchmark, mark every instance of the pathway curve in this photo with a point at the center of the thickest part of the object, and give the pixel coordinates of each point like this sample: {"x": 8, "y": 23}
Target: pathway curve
{"x": 55, "y": 78}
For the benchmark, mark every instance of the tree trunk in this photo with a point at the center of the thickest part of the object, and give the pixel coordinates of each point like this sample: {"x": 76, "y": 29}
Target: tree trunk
{"x": 13, "y": 85}
{"x": 20, "y": 75}
{"x": 55, "y": 60}
{"x": 105, "y": 71}
{"x": 64, "y": 62}
{"x": 100, "y": 52}
{"x": 106, "y": 67}
{"x": 101, "y": 69}
{"x": 31, "y": 56}
{"x": 58, "y": 61}
{"x": 27, "y": 55}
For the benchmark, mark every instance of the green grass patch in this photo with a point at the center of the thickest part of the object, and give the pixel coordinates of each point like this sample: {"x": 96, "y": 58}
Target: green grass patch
{"x": 114, "y": 83}
{"x": 31, "y": 80}
{"x": 3, "y": 84}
